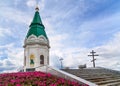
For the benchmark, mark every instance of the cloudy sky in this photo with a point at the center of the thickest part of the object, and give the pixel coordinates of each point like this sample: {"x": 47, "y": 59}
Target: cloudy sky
{"x": 74, "y": 28}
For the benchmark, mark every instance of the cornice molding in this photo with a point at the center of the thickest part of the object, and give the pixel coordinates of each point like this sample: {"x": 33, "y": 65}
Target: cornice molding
{"x": 41, "y": 40}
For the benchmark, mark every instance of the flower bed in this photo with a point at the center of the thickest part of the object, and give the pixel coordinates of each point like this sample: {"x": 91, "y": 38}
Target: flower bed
{"x": 34, "y": 79}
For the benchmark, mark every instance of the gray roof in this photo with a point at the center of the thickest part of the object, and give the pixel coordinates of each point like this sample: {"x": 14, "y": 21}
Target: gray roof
{"x": 99, "y": 76}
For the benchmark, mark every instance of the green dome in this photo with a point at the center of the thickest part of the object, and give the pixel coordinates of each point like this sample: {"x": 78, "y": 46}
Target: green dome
{"x": 36, "y": 27}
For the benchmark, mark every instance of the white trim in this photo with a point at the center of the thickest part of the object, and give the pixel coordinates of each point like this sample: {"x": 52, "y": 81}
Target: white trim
{"x": 31, "y": 36}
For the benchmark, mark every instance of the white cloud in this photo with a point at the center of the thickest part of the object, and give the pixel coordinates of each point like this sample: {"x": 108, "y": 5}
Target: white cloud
{"x": 19, "y": 16}
{"x": 16, "y": 55}
{"x": 56, "y": 40}
{"x": 7, "y": 46}
{"x": 14, "y": 58}
{"x": 108, "y": 54}
{"x": 16, "y": 2}
{"x": 48, "y": 27}
{"x": 101, "y": 23}
{"x": 41, "y": 4}
{"x": 5, "y": 31}
{"x": 111, "y": 48}
{"x": 74, "y": 56}
{"x": 31, "y": 3}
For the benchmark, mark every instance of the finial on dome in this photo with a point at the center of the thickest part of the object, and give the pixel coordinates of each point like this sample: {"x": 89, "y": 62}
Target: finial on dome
{"x": 37, "y": 8}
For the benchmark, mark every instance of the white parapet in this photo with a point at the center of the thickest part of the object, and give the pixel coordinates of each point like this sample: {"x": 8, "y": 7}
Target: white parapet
{"x": 63, "y": 74}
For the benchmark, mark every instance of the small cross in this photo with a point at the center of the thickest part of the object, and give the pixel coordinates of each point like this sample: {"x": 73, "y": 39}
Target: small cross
{"x": 93, "y": 55}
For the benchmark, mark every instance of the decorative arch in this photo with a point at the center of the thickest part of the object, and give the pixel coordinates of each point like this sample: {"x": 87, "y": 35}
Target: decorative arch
{"x": 42, "y": 38}
{"x": 41, "y": 59}
{"x": 32, "y": 59}
{"x": 32, "y": 37}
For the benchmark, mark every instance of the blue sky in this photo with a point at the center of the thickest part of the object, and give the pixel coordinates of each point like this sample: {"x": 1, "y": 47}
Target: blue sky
{"x": 74, "y": 28}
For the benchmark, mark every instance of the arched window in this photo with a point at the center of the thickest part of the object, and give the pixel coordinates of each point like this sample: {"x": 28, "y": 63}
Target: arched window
{"x": 41, "y": 59}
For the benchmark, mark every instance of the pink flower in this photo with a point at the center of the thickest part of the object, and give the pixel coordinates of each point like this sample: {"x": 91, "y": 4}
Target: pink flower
{"x": 34, "y": 78}
{"x": 18, "y": 85}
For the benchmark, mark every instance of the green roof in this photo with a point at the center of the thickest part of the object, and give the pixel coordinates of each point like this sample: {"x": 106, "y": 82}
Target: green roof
{"x": 36, "y": 27}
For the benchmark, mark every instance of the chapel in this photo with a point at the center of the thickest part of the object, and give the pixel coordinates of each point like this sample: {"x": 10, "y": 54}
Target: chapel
{"x": 36, "y": 45}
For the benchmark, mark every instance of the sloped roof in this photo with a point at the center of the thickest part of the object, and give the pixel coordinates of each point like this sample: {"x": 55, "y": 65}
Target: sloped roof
{"x": 36, "y": 27}
{"x": 99, "y": 76}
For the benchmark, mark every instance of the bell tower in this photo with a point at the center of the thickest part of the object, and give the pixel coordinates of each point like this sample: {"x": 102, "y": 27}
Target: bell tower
{"x": 36, "y": 45}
